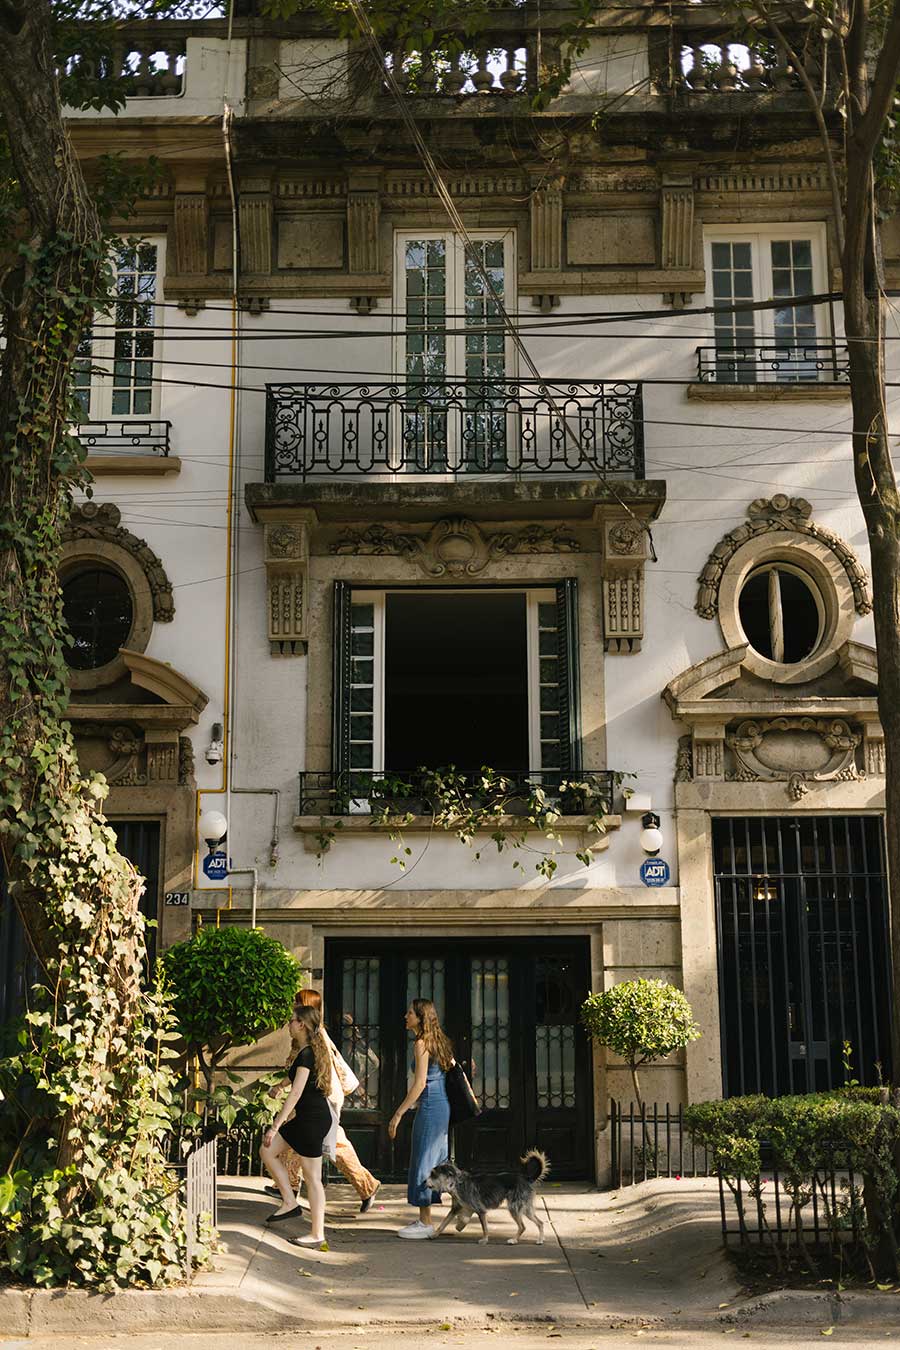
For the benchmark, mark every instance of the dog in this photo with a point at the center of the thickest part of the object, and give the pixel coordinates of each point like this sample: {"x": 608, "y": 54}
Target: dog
{"x": 476, "y": 1194}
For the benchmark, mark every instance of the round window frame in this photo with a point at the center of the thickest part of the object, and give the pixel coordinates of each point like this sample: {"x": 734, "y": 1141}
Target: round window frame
{"x": 80, "y": 553}
{"x": 829, "y": 583}
{"x": 803, "y": 574}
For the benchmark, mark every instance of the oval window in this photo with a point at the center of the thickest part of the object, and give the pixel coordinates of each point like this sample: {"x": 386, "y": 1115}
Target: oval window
{"x": 781, "y": 613}
{"x": 99, "y": 611}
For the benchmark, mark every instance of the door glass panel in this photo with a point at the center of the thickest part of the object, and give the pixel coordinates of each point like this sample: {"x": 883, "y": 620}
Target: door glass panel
{"x": 425, "y": 419}
{"x": 484, "y": 426}
{"x": 490, "y": 1032}
{"x": 362, "y": 687}
{"x": 360, "y": 1033}
{"x": 555, "y": 1015}
{"x": 425, "y": 978}
{"x": 732, "y": 281}
{"x": 795, "y": 325}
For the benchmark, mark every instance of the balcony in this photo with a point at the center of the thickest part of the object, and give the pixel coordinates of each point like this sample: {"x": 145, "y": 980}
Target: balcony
{"x": 578, "y": 801}
{"x": 772, "y": 370}
{"x": 148, "y": 58}
{"x": 129, "y": 447}
{"x": 498, "y": 428}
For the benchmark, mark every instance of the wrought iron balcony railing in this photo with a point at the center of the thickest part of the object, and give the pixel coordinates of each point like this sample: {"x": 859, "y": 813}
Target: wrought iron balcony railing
{"x": 455, "y": 427}
{"x": 774, "y": 363}
{"x": 424, "y": 792}
{"x": 125, "y": 437}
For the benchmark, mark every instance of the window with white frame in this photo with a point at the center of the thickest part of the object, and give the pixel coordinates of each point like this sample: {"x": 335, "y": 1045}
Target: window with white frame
{"x": 446, "y": 677}
{"x": 784, "y": 343}
{"x": 114, "y": 369}
{"x": 452, "y": 349}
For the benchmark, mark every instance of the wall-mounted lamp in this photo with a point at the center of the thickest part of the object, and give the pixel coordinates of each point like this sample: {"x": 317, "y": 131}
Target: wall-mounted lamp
{"x": 213, "y": 828}
{"x": 651, "y": 834}
{"x": 216, "y": 748}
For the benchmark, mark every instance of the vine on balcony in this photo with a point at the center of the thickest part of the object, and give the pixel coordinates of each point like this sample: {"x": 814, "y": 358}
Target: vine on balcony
{"x": 511, "y": 810}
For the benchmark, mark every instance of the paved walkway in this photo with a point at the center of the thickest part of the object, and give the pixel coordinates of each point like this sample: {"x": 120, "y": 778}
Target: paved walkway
{"x": 646, "y": 1254}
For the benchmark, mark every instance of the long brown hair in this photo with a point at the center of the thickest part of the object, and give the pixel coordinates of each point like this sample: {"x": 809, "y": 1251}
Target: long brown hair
{"x": 431, "y": 1033}
{"x": 311, "y": 1019}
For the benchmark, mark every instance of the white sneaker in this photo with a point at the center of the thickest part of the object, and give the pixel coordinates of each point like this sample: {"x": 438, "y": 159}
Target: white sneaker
{"x": 416, "y": 1230}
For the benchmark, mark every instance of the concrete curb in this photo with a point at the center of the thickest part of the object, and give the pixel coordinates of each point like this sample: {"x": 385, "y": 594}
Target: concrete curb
{"x": 804, "y": 1307}
{"x": 71, "y": 1312}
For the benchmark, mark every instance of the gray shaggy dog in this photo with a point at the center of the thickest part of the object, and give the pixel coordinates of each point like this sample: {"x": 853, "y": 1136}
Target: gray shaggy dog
{"x": 473, "y": 1194}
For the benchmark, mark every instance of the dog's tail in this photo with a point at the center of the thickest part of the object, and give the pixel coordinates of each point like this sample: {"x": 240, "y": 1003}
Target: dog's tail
{"x": 535, "y": 1165}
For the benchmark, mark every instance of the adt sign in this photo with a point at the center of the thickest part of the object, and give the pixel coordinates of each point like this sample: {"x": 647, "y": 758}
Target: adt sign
{"x": 655, "y": 872}
{"x": 215, "y": 865}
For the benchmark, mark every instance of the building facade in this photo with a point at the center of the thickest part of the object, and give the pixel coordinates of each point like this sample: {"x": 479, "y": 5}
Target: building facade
{"x": 350, "y": 524}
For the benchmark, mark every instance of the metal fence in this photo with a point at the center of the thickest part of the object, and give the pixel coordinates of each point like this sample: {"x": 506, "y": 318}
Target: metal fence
{"x": 650, "y": 1142}
{"x": 455, "y": 427}
{"x": 200, "y": 1205}
{"x": 364, "y": 792}
{"x": 126, "y": 437}
{"x": 822, "y": 1210}
{"x": 774, "y": 363}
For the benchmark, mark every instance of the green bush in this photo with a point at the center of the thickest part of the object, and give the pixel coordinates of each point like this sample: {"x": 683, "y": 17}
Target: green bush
{"x": 230, "y": 986}
{"x": 807, "y": 1139}
{"x": 640, "y": 1021}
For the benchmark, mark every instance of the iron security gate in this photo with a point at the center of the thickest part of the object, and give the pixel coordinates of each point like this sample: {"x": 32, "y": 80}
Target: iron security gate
{"x": 804, "y": 965}
{"x": 138, "y": 841}
{"x": 511, "y": 1009}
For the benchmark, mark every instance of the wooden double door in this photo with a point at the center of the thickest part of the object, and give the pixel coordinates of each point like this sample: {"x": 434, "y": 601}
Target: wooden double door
{"x": 511, "y": 1009}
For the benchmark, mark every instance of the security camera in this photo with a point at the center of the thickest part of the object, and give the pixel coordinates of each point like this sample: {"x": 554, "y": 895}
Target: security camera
{"x": 216, "y": 748}
{"x": 213, "y": 828}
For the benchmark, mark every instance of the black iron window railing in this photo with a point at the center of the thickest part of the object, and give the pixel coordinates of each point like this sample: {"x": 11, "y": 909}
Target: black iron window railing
{"x": 455, "y": 427}
{"x": 125, "y": 437}
{"x": 574, "y": 792}
{"x": 774, "y": 363}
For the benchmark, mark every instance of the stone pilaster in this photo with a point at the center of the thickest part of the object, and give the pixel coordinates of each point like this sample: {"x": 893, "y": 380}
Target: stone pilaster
{"x": 163, "y": 756}
{"x": 709, "y": 752}
{"x": 287, "y": 584}
{"x": 677, "y": 228}
{"x": 255, "y": 217}
{"x": 625, "y": 550}
{"x": 873, "y": 746}
{"x": 363, "y": 221}
{"x": 546, "y": 205}
{"x": 191, "y": 234}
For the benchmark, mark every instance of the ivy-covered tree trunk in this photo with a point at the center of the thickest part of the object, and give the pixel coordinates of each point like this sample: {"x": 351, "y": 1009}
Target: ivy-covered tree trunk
{"x": 85, "y": 1102}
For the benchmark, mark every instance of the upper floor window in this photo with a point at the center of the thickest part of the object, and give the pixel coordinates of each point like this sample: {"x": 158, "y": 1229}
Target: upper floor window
{"x": 114, "y": 374}
{"x": 464, "y": 678}
{"x": 786, "y": 343}
{"x": 452, "y": 350}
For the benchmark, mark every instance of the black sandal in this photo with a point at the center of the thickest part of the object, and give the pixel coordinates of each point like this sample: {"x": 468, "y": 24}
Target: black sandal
{"x": 291, "y": 1214}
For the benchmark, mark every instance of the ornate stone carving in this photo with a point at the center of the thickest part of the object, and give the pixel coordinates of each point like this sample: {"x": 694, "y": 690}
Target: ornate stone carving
{"x": 185, "y": 761}
{"x": 707, "y": 752}
{"x": 677, "y": 228}
{"x": 363, "y": 223}
{"x": 125, "y": 748}
{"x": 624, "y": 554}
{"x": 101, "y": 520}
{"x": 873, "y": 749}
{"x": 768, "y": 516}
{"x": 684, "y": 760}
{"x": 455, "y": 546}
{"x": 191, "y": 233}
{"x": 255, "y": 213}
{"x": 795, "y": 750}
{"x": 546, "y": 206}
{"x": 287, "y": 581}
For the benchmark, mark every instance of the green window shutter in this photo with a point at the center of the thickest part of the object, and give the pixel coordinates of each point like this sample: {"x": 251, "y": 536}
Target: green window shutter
{"x": 340, "y": 680}
{"x": 567, "y": 649}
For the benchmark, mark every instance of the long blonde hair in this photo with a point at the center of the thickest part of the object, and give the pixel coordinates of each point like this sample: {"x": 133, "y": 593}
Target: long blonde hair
{"x": 432, "y": 1034}
{"x": 311, "y": 1020}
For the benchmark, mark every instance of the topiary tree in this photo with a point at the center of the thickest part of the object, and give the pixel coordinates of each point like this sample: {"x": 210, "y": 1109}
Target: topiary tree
{"x": 230, "y": 986}
{"x": 640, "y": 1020}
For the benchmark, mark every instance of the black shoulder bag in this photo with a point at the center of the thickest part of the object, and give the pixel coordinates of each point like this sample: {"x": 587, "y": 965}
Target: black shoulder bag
{"x": 464, "y": 1104}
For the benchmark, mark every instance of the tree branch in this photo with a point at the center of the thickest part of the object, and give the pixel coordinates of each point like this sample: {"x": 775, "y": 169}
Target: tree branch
{"x": 883, "y": 89}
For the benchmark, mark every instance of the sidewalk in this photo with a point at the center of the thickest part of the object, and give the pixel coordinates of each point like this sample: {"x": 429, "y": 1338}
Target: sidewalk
{"x": 648, "y": 1254}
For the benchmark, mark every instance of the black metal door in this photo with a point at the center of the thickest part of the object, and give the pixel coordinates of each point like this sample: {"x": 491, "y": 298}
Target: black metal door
{"x": 512, "y": 1011}
{"x": 138, "y": 841}
{"x": 804, "y": 965}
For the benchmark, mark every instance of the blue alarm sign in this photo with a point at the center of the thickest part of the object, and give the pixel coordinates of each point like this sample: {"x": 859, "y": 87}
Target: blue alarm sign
{"x": 215, "y": 865}
{"x": 655, "y": 872}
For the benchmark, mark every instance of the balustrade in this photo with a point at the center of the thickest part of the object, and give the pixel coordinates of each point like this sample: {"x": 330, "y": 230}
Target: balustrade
{"x": 489, "y": 69}
{"x": 151, "y": 66}
{"x": 715, "y": 65}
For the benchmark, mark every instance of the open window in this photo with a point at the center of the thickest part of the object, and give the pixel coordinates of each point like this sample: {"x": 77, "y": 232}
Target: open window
{"x": 482, "y": 677}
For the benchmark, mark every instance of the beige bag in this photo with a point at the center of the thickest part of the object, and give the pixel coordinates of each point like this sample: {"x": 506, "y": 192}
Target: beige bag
{"x": 345, "y": 1075}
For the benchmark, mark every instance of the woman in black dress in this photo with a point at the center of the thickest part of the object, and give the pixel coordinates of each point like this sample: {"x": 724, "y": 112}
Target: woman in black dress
{"x": 310, "y": 1086}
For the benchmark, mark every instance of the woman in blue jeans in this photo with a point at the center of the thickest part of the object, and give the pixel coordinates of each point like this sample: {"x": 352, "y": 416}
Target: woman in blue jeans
{"x": 430, "y": 1143}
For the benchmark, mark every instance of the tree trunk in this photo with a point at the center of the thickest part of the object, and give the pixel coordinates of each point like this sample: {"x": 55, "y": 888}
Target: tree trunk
{"x": 877, "y": 490}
